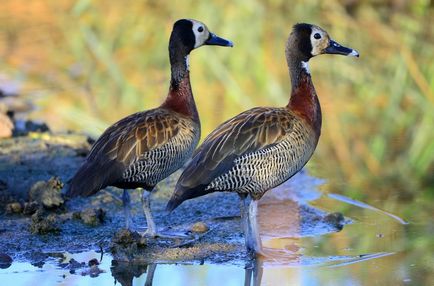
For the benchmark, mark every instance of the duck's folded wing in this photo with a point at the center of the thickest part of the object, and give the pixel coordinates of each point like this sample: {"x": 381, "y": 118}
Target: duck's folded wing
{"x": 121, "y": 145}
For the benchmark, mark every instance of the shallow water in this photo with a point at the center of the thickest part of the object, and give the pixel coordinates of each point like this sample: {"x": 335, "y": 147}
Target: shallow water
{"x": 319, "y": 262}
{"x": 373, "y": 248}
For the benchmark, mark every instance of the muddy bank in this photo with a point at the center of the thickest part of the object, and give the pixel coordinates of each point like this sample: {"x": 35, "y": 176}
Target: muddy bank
{"x": 43, "y": 161}
{"x": 25, "y": 160}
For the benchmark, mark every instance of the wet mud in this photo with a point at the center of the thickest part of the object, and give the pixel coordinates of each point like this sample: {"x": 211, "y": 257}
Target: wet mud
{"x": 37, "y": 224}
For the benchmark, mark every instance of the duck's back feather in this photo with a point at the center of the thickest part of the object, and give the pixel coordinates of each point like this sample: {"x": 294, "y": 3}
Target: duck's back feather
{"x": 128, "y": 153}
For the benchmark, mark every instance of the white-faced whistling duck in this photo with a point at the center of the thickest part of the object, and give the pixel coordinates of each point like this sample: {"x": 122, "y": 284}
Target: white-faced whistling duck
{"x": 263, "y": 147}
{"x": 144, "y": 148}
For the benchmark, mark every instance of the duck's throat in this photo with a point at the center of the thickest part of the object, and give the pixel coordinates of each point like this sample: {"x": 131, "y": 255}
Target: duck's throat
{"x": 180, "y": 98}
{"x": 304, "y": 100}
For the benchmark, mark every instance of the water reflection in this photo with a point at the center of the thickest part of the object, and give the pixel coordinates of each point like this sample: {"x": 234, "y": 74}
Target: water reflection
{"x": 125, "y": 272}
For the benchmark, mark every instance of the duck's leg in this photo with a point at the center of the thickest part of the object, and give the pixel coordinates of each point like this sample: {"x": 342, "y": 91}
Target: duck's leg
{"x": 146, "y": 205}
{"x": 126, "y": 203}
{"x": 244, "y": 210}
{"x": 254, "y": 240}
{"x": 151, "y": 230}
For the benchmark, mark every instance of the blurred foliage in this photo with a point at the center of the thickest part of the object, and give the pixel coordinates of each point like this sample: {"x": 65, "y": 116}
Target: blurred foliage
{"x": 86, "y": 64}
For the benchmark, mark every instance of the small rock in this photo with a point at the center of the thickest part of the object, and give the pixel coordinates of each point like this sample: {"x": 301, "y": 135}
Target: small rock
{"x": 14, "y": 208}
{"x": 30, "y": 208}
{"x": 42, "y": 224}
{"x": 5, "y": 261}
{"x": 127, "y": 237}
{"x": 199, "y": 227}
{"x": 6, "y": 126}
{"x": 47, "y": 193}
{"x": 336, "y": 220}
{"x": 93, "y": 262}
{"x": 93, "y": 217}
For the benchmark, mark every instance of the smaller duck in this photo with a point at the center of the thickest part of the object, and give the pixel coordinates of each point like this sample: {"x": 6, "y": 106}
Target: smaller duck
{"x": 263, "y": 147}
{"x": 140, "y": 150}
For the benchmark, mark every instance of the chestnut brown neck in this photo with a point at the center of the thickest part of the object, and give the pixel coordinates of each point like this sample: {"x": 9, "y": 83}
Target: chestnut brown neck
{"x": 180, "y": 98}
{"x": 304, "y": 101}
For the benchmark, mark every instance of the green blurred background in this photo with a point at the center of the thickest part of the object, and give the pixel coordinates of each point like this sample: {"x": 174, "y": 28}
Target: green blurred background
{"x": 85, "y": 64}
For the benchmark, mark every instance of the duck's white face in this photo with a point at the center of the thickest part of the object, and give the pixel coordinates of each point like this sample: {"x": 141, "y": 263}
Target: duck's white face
{"x": 200, "y": 32}
{"x": 319, "y": 39}
{"x": 323, "y": 44}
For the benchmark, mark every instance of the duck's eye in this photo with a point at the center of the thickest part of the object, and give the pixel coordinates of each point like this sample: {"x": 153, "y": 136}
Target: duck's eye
{"x": 200, "y": 29}
{"x": 317, "y": 36}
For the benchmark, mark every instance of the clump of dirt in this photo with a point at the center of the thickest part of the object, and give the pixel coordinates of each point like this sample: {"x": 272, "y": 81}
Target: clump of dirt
{"x": 44, "y": 224}
{"x": 30, "y": 208}
{"x": 47, "y": 193}
{"x": 91, "y": 216}
{"x": 14, "y": 208}
{"x": 336, "y": 220}
{"x": 42, "y": 194}
{"x": 126, "y": 237}
{"x": 127, "y": 244}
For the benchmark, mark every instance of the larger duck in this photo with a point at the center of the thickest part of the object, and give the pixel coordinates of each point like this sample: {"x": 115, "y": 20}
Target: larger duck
{"x": 263, "y": 147}
{"x": 142, "y": 149}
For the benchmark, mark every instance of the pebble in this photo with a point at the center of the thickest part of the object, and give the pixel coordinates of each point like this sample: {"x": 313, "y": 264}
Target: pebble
{"x": 14, "y": 208}
{"x": 199, "y": 227}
